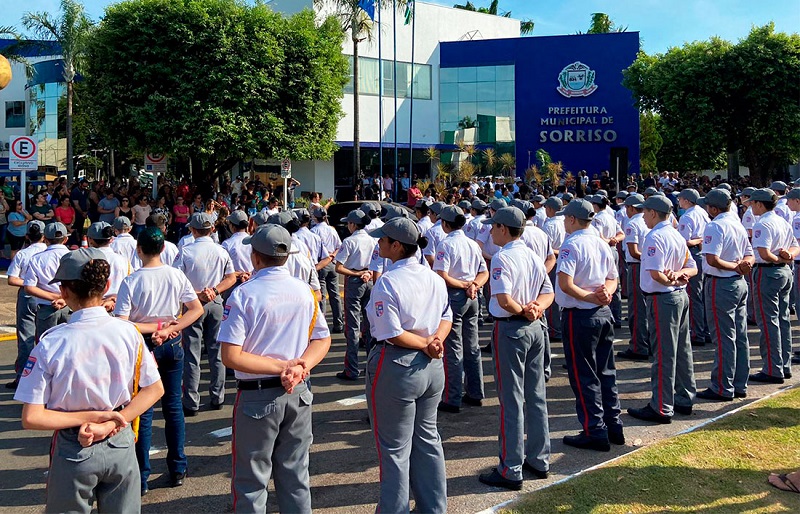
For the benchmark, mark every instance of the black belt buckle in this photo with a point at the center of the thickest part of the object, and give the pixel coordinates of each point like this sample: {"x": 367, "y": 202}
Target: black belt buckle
{"x": 257, "y": 385}
{"x": 514, "y": 317}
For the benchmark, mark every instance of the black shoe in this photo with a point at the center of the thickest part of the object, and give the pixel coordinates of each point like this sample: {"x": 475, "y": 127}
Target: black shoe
{"x": 145, "y": 489}
{"x": 797, "y": 353}
{"x": 555, "y": 339}
{"x": 737, "y": 394}
{"x": 616, "y": 436}
{"x": 708, "y": 340}
{"x": 489, "y": 319}
{"x": 362, "y": 343}
{"x": 469, "y": 400}
{"x": 710, "y": 394}
{"x": 176, "y": 480}
{"x": 647, "y": 413}
{"x": 765, "y": 379}
{"x": 13, "y": 384}
{"x": 342, "y": 375}
{"x": 627, "y": 354}
{"x": 751, "y": 323}
{"x": 495, "y": 479}
{"x": 586, "y": 442}
{"x": 787, "y": 376}
{"x": 698, "y": 342}
{"x": 617, "y": 325}
{"x": 446, "y": 407}
{"x": 540, "y": 475}
{"x": 189, "y": 413}
{"x": 487, "y": 349}
{"x": 795, "y": 360}
{"x": 215, "y": 406}
{"x": 480, "y": 321}
{"x": 338, "y": 330}
{"x": 683, "y": 410}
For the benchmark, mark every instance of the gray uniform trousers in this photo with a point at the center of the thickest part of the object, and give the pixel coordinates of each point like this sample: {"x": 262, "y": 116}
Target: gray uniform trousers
{"x": 771, "y": 288}
{"x": 329, "y": 281}
{"x": 356, "y": 298}
{"x": 672, "y": 370}
{"x": 271, "y": 437}
{"x": 726, "y": 310}
{"x": 106, "y": 471}
{"x": 26, "y": 329}
{"x": 796, "y": 288}
{"x": 48, "y": 317}
{"x": 616, "y": 298}
{"x": 553, "y": 313}
{"x": 203, "y": 331}
{"x": 403, "y": 390}
{"x": 637, "y": 312}
{"x": 462, "y": 351}
{"x": 697, "y": 313}
{"x": 751, "y": 310}
{"x": 518, "y": 350}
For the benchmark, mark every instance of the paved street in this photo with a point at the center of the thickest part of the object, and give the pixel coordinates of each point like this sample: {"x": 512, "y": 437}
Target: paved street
{"x": 344, "y": 470}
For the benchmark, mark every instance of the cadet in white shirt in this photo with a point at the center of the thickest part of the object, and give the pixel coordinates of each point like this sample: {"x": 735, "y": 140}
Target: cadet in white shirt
{"x": 540, "y": 214}
{"x": 611, "y": 233}
{"x": 124, "y": 243}
{"x": 587, "y": 276}
{"x": 26, "y": 304}
{"x": 488, "y": 248}
{"x": 793, "y": 201}
{"x": 99, "y": 236}
{"x": 460, "y": 263}
{"x": 748, "y": 221}
{"x": 424, "y": 221}
{"x": 300, "y": 262}
{"x": 728, "y": 256}
{"x": 89, "y": 405}
{"x": 554, "y": 228}
{"x": 639, "y": 347}
{"x": 667, "y": 267}
{"x": 477, "y": 208}
{"x": 405, "y": 376}
{"x": 272, "y": 336}
{"x": 41, "y": 269}
{"x": 327, "y": 273}
{"x": 775, "y": 248}
{"x": 170, "y": 252}
{"x": 435, "y": 233}
{"x": 210, "y": 271}
{"x": 238, "y": 252}
{"x": 781, "y": 207}
{"x": 152, "y": 298}
{"x": 691, "y": 226}
{"x": 352, "y": 262}
{"x": 372, "y": 210}
{"x": 521, "y": 291}
{"x": 377, "y": 264}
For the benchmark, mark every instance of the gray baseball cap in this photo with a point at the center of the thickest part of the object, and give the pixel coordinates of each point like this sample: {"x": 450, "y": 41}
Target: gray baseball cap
{"x": 478, "y": 204}
{"x": 72, "y": 263}
{"x": 156, "y": 220}
{"x": 96, "y": 231}
{"x": 602, "y": 192}
{"x": 724, "y": 185}
{"x": 538, "y": 199}
{"x": 554, "y": 203}
{"x": 622, "y": 195}
{"x": 796, "y": 182}
{"x": 763, "y": 195}
{"x": 436, "y": 207}
{"x": 465, "y": 205}
{"x": 689, "y": 194}
{"x": 779, "y": 185}
{"x": 121, "y": 222}
{"x": 368, "y": 207}
{"x": 634, "y": 200}
{"x": 450, "y": 212}
{"x": 200, "y": 221}
{"x": 658, "y": 203}
{"x": 282, "y": 218}
{"x": 718, "y": 198}
{"x": 507, "y": 216}
{"x": 400, "y": 229}
{"x": 635, "y": 188}
{"x": 579, "y": 208}
{"x": 237, "y": 217}
{"x": 302, "y": 214}
{"x": 651, "y": 191}
{"x": 391, "y": 211}
{"x": 319, "y": 212}
{"x": 747, "y": 191}
{"x": 272, "y": 240}
{"x": 497, "y": 204}
{"x": 55, "y": 231}
{"x": 793, "y": 194}
{"x": 597, "y": 199}
{"x": 259, "y": 218}
{"x": 35, "y": 227}
{"x": 357, "y": 216}
{"x": 567, "y": 197}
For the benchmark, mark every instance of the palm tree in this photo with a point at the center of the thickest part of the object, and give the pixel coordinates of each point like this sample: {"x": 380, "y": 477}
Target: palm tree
{"x": 15, "y": 51}
{"x": 602, "y": 24}
{"x": 525, "y": 26}
{"x": 71, "y": 31}
{"x": 357, "y": 24}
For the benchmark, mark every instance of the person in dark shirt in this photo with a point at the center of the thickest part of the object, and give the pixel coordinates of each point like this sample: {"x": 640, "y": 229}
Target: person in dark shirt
{"x": 80, "y": 201}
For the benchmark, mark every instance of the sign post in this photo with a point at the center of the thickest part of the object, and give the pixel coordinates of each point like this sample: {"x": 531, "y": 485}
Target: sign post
{"x": 155, "y": 163}
{"x": 23, "y": 156}
{"x": 286, "y": 174}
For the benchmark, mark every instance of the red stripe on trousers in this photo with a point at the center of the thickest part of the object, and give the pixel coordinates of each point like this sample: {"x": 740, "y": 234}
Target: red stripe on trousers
{"x": 634, "y": 331}
{"x": 660, "y": 359}
{"x": 344, "y": 308}
{"x": 375, "y": 411}
{"x": 719, "y": 336}
{"x": 764, "y": 328}
{"x": 500, "y": 397}
{"x": 577, "y": 378}
{"x": 233, "y": 450}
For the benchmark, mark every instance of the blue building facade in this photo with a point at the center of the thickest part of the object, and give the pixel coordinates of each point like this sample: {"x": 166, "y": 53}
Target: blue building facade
{"x": 563, "y": 94}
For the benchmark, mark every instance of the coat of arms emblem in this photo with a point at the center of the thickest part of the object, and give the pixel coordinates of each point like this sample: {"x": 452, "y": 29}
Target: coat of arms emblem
{"x": 576, "y": 79}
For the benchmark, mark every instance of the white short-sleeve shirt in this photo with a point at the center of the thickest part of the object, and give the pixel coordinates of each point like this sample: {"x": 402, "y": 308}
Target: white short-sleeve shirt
{"x": 42, "y": 268}
{"x": 554, "y": 228}
{"x": 726, "y": 238}
{"x": 773, "y": 232}
{"x": 150, "y": 295}
{"x": 663, "y": 249}
{"x": 424, "y": 224}
{"x": 749, "y": 219}
{"x": 518, "y": 272}
{"x": 120, "y": 268}
{"x": 535, "y": 239}
{"x": 23, "y": 257}
{"x": 168, "y": 256}
{"x": 484, "y": 237}
{"x": 693, "y": 223}
{"x": 589, "y": 261}
{"x": 125, "y": 245}
{"x": 330, "y": 238}
{"x": 239, "y": 252}
{"x": 472, "y": 227}
{"x": 204, "y": 263}
{"x": 356, "y": 251}
{"x": 435, "y": 234}
{"x": 459, "y": 256}
{"x": 635, "y": 230}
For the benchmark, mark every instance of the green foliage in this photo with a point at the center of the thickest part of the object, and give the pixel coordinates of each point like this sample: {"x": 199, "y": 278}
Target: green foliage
{"x": 525, "y": 28}
{"x": 543, "y": 158}
{"x": 602, "y": 24}
{"x": 216, "y": 81}
{"x": 650, "y": 143}
{"x": 714, "y": 97}
{"x": 467, "y": 122}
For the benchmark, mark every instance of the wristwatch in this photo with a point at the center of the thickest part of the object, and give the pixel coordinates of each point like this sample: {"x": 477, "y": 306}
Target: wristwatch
{"x": 215, "y": 291}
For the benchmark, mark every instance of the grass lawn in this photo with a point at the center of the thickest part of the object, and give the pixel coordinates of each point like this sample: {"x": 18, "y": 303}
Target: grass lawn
{"x": 721, "y": 468}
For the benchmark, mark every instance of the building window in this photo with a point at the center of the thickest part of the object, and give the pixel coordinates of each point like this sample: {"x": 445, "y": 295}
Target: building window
{"x": 369, "y": 78}
{"x": 15, "y": 114}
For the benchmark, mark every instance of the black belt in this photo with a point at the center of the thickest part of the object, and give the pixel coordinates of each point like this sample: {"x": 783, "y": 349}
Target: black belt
{"x": 515, "y": 317}
{"x": 725, "y": 278}
{"x": 659, "y": 293}
{"x": 769, "y": 265}
{"x": 256, "y": 385}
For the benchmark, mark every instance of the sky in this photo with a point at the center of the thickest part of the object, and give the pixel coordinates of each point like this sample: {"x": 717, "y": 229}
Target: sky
{"x": 661, "y": 23}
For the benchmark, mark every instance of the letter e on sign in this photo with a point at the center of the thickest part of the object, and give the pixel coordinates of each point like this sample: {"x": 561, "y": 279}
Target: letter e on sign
{"x": 23, "y": 154}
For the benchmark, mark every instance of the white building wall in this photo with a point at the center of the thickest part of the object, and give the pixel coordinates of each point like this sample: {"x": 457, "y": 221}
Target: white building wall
{"x": 13, "y": 92}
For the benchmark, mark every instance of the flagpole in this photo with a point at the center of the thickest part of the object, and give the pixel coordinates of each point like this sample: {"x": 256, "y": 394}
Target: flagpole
{"x": 394, "y": 74}
{"x": 411, "y": 114}
{"x": 380, "y": 97}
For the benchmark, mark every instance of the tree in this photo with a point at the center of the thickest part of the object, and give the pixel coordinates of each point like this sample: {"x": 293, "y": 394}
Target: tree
{"x": 70, "y": 31}
{"x": 214, "y": 82}
{"x": 525, "y": 26}
{"x": 650, "y": 143}
{"x": 602, "y": 24}
{"x": 714, "y": 97}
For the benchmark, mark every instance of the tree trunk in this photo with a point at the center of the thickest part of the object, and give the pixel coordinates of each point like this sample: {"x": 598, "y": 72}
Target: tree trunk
{"x": 733, "y": 165}
{"x": 70, "y": 164}
{"x": 356, "y": 113}
{"x": 111, "y": 167}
